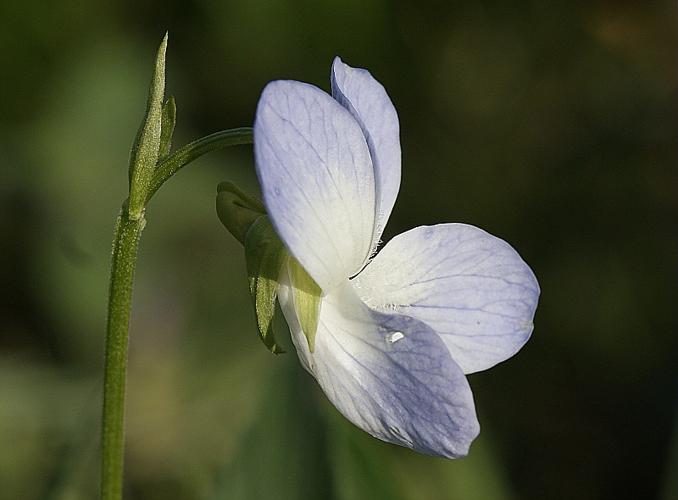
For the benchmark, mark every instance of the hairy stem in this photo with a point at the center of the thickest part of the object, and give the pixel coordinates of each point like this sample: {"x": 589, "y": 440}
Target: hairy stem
{"x": 123, "y": 264}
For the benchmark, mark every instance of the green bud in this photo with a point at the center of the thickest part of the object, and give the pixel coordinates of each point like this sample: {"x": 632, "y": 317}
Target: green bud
{"x": 168, "y": 121}
{"x": 146, "y": 148}
{"x": 307, "y": 300}
{"x": 265, "y": 255}
{"x": 237, "y": 210}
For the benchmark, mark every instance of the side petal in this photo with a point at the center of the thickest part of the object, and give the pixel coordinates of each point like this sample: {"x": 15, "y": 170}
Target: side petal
{"x": 316, "y": 178}
{"x": 368, "y": 102}
{"x": 390, "y": 375}
{"x": 469, "y": 286}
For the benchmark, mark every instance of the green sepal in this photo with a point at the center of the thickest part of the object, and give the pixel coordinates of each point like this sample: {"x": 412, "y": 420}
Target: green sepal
{"x": 265, "y": 256}
{"x": 307, "y": 300}
{"x": 237, "y": 210}
{"x": 168, "y": 122}
{"x": 146, "y": 148}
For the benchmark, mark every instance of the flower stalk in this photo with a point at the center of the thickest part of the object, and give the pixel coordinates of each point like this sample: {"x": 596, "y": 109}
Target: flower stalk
{"x": 151, "y": 165}
{"x": 218, "y": 140}
{"x": 123, "y": 264}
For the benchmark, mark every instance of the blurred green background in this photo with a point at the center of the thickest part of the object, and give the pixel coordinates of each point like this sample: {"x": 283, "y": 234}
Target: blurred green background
{"x": 550, "y": 124}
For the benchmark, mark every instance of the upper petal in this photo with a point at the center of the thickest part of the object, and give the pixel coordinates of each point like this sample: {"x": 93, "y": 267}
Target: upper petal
{"x": 316, "y": 178}
{"x": 389, "y": 374}
{"x": 469, "y": 286}
{"x": 368, "y": 102}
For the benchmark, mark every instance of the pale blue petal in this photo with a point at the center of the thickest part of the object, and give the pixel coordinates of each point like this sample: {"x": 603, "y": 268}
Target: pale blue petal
{"x": 389, "y": 374}
{"x": 368, "y": 102}
{"x": 317, "y": 179}
{"x": 469, "y": 286}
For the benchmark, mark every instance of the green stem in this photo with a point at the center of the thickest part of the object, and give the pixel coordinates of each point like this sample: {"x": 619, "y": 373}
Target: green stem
{"x": 125, "y": 245}
{"x": 213, "y": 142}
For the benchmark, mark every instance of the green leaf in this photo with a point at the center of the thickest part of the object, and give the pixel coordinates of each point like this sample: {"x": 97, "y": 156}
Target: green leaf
{"x": 307, "y": 300}
{"x": 168, "y": 122}
{"x": 265, "y": 255}
{"x": 146, "y": 148}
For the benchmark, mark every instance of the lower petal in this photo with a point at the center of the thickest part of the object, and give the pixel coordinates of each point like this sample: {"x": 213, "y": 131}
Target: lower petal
{"x": 469, "y": 286}
{"x": 389, "y": 374}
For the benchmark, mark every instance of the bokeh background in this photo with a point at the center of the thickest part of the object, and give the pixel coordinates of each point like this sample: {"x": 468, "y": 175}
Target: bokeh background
{"x": 550, "y": 124}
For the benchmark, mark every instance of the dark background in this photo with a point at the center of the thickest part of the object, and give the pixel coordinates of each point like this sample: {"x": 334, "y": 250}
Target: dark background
{"x": 550, "y": 124}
